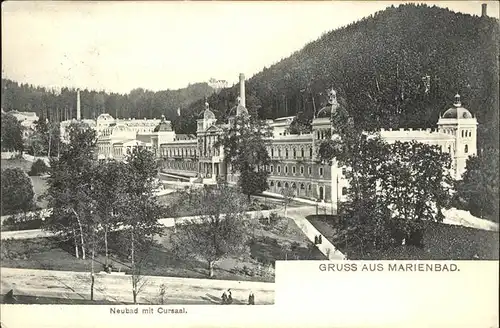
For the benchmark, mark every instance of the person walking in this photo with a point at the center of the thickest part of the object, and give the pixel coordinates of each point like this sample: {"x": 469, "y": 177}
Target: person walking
{"x": 251, "y": 299}
{"x": 229, "y": 296}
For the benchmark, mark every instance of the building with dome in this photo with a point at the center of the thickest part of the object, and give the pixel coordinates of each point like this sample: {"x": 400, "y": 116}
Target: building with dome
{"x": 295, "y": 158}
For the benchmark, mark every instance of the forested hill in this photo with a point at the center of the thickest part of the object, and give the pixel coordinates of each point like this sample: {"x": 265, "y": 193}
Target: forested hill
{"x": 139, "y": 103}
{"x": 379, "y": 66}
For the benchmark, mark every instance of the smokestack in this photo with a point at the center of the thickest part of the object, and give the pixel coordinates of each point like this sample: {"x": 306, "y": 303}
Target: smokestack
{"x": 483, "y": 9}
{"x": 78, "y": 114}
{"x": 242, "y": 89}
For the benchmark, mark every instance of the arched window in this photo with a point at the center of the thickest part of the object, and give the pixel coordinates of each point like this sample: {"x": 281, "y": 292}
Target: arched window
{"x": 272, "y": 184}
{"x": 310, "y": 152}
{"x": 272, "y": 152}
{"x": 463, "y": 133}
{"x": 286, "y": 169}
{"x": 302, "y": 186}
{"x": 286, "y": 153}
{"x": 301, "y": 170}
{"x": 294, "y": 186}
{"x": 294, "y": 153}
{"x": 278, "y": 169}
{"x": 302, "y": 152}
{"x": 309, "y": 170}
{"x": 271, "y": 168}
{"x": 293, "y": 169}
{"x": 466, "y": 150}
{"x": 286, "y": 185}
{"x": 320, "y": 171}
{"x": 309, "y": 187}
{"x": 279, "y": 184}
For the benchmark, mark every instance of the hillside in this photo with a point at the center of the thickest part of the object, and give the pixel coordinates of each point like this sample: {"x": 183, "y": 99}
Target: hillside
{"x": 379, "y": 66}
{"x": 138, "y": 103}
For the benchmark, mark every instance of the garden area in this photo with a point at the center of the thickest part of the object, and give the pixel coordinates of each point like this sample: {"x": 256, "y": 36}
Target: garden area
{"x": 440, "y": 242}
{"x": 274, "y": 239}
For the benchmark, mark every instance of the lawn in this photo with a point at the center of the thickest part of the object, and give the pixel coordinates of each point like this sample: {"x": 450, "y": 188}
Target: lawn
{"x": 49, "y": 254}
{"x": 441, "y": 242}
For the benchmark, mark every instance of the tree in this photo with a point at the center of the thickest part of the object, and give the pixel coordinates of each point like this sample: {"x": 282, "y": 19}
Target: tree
{"x": 12, "y": 133}
{"x": 70, "y": 191}
{"x": 288, "y": 195}
{"x": 17, "y": 191}
{"x": 140, "y": 211}
{"x": 477, "y": 192}
{"x": 394, "y": 188}
{"x": 244, "y": 144}
{"x": 109, "y": 188}
{"x": 38, "y": 168}
{"x": 221, "y": 231}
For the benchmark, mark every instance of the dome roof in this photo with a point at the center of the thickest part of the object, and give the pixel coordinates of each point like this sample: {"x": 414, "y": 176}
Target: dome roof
{"x": 325, "y": 111}
{"x": 239, "y": 109}
{"x": 163, "y": 126}
{"x": 207, "y": 113}
{"x": 457, "y": 112}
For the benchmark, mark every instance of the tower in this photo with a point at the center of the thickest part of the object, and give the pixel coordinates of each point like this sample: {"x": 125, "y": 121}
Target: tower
{"x": 242, "y": 90}
{"x": 462, "y": 125}
{"x": 484, "y": 7}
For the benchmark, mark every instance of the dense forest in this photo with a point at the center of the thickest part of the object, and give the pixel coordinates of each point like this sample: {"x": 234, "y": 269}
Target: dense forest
{"x": 61, "y": 105}
{"x": 400, "y": 67}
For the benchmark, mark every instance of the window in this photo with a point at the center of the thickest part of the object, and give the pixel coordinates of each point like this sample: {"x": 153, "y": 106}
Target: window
{"x": 344, "y": 191}
{"x": 279, "y": 184}
{"x": 310, "y": 152}
{"x": 286, "y": 153}
{"x": 293, "y": 169}
{"x": 272, "y": 152}
{"x": 309, "y": 187}
{"x": 272, "y": 184}
{"x": 286, "y": 185}
{"x": 279, "y": 152}
{"x": 321, "y": 171}
{"x": 309, "y": 170}
{"x": 302, "y": 187}
{"x": 302, "y": 170}
{"x": 271, "y": 168}
{"x": 286, "y": 169}
{"x": 302, "y": 152}
{"x": 294, "y": 153}
{"x": 463, "y": 133}
{"x": 466, "y": 150}
{"x": 278, "y": 169}
{"x": 294, "y": 186}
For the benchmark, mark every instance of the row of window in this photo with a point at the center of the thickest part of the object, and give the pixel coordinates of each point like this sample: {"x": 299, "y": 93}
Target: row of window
{"x": 466, "y": 133}
{"x": 301, "y": 186}
{"x": 294, "y": 153}
{"x": 178, "y": 152}
{"x": 294, "y": 170}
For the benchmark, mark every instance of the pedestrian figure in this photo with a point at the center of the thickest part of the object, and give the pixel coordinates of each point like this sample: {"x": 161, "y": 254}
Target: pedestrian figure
{"x": 251, "y": 299}
{"x": 315, "y": 240}
{"x": 224, "y": 298}
{"x": 320, "y": 239}
{"x": 229, "y": 296}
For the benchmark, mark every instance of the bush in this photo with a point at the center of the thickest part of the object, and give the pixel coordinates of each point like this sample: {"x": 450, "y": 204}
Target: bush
{"x": 22, "y": 222}
{"x": 17, "y": 191}
{"x": 38, "y": 168}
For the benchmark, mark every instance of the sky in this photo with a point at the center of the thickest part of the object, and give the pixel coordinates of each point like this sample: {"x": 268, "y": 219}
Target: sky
{"x": 119, "y": 46}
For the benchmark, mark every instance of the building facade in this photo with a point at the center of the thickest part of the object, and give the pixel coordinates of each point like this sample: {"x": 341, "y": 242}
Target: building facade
{"x": 295, "y": 161}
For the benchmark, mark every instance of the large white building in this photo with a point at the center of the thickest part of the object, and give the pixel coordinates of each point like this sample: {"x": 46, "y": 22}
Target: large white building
{"x": 295, "y": 158}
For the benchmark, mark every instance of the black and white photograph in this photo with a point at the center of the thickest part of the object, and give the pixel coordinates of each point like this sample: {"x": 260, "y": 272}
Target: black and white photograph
{"x": 170, "y": 153}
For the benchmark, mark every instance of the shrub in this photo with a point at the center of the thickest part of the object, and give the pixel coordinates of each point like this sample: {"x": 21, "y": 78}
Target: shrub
{"x": 38, "y": 168}
{"x": 17, "y": 191}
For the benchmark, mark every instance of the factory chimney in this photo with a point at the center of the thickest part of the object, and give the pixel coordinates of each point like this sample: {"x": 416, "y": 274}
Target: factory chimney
{"x": 78, "y": 113}
{"x": 242, "y": 89}
{"x": 483, "y": 10}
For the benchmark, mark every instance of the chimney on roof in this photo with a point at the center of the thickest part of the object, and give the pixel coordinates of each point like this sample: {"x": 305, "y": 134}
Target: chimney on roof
{"x": 78, "y": 113}
{"x": 242, "y": 89}
{"x": 484, "y": 7}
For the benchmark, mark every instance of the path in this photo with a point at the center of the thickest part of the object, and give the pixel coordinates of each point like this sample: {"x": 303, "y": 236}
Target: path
{"x": 76, "y": 285}
{"x": 298, "y": 215}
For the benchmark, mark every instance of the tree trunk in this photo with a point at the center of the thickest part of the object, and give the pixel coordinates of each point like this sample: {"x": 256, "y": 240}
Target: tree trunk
{"x": 106, "y": 245}
{"x": 92, "y": 275}
{"x": 211, "y": 268}
{"x": 77, "y": 255}
{"x": 81, "y": 233}
{"x": 134, "y": 294}
{"x": 48, "y": 154}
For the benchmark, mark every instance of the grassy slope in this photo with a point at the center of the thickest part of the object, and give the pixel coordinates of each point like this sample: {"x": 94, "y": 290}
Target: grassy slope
{"x": 441, "y": 242}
